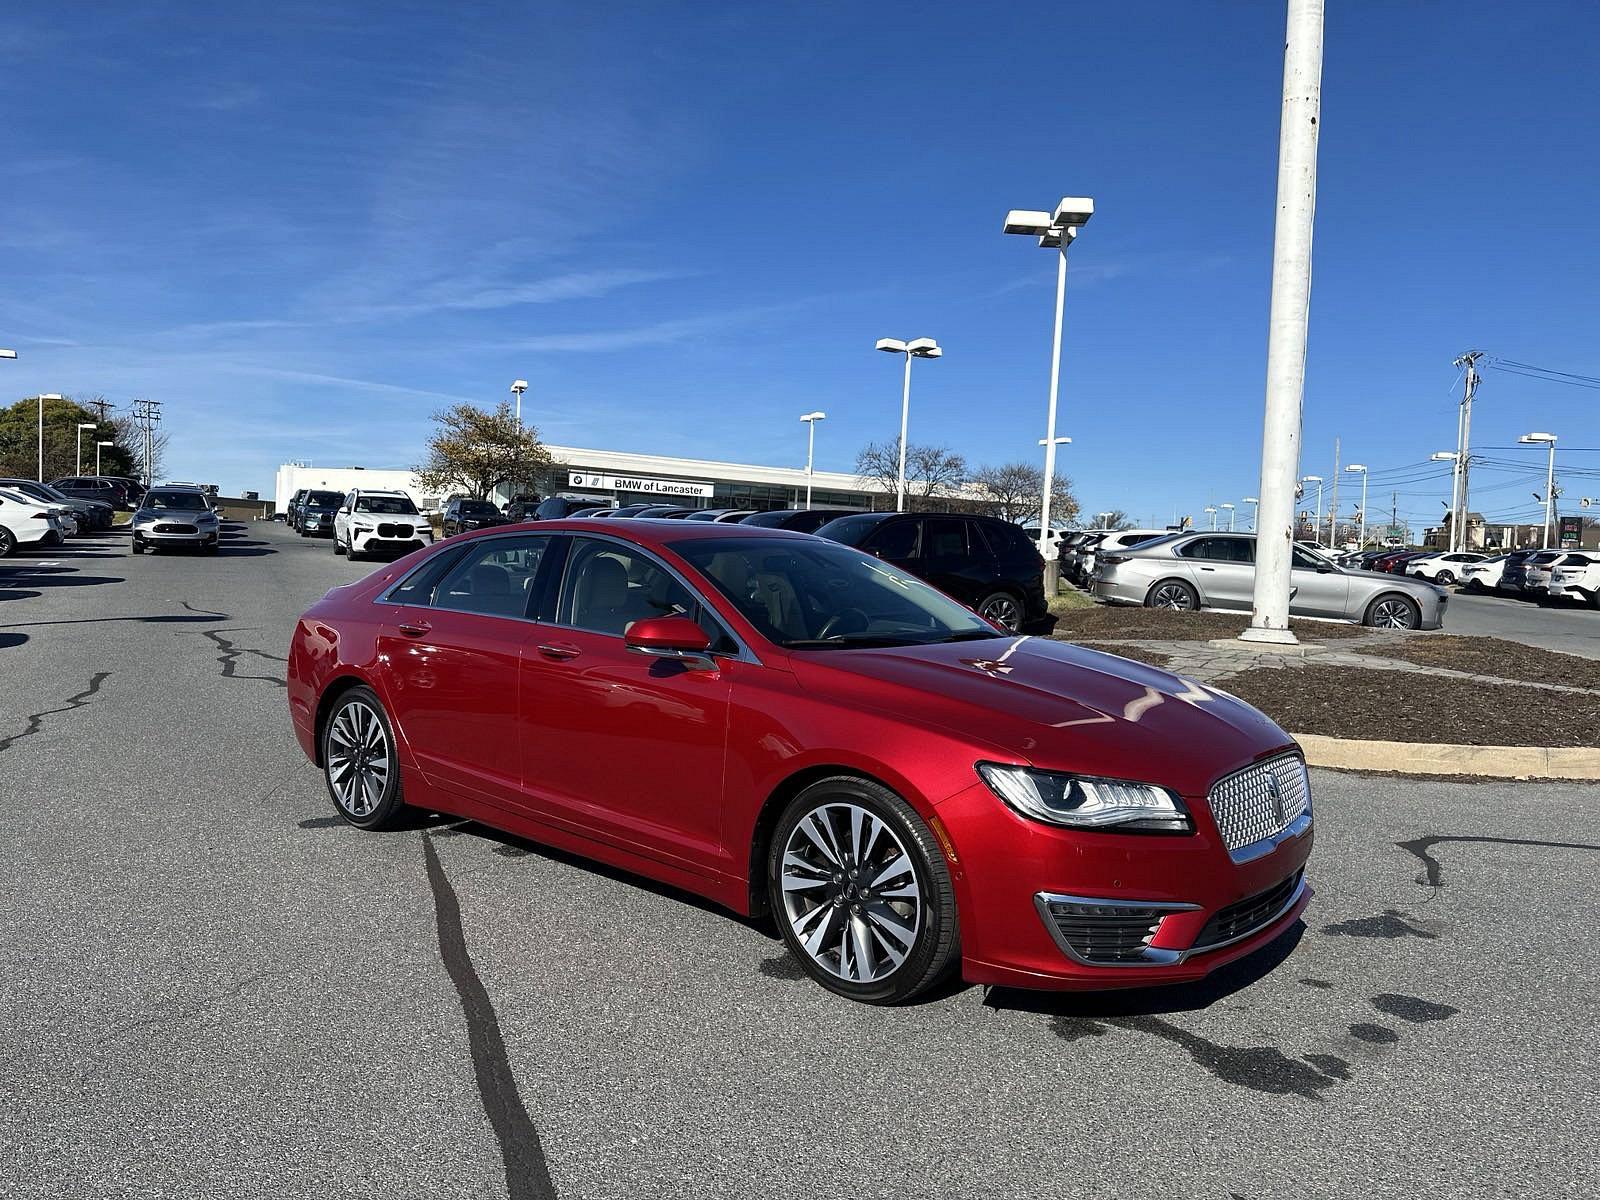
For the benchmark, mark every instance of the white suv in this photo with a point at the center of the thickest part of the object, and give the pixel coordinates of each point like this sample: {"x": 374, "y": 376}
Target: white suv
{"x": 372, "y": 522}
{"x": 1443, "y": 569}
{"x": 1577, "y": 577}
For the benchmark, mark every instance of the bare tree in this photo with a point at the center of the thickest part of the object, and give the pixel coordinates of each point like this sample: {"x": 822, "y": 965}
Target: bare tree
{"x": 1013, "y": 491}
{"x": 931, "y": 471}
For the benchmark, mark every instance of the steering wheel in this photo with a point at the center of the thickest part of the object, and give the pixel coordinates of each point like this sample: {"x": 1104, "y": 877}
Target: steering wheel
{"x": 855, "y": 617}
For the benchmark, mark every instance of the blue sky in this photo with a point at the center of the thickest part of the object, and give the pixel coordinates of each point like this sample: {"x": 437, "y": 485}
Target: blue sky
{"x": 305, "y": 227}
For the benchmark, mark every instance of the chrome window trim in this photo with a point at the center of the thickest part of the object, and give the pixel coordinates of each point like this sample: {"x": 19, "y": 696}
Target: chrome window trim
{"x": 1152, "y": 956}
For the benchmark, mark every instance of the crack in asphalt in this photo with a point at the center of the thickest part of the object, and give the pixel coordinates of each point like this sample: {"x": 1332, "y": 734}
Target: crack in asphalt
{"x": 36, "y": 720}
{"x": 1433, "y": 874}
{"x": 527, "y": 1173}
{"x": 230, "y": 654}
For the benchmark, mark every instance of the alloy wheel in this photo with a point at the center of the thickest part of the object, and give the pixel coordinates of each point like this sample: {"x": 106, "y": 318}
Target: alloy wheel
{"x": 850, "y": 892}
{"x": 1172, "y": 595}
{"x": 1002, "y": 610}
{"x": 1394, "y": 613}
{"x": 359, "y": 759}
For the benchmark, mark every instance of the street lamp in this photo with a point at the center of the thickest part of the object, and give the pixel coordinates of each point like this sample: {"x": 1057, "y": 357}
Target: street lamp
{"x": 1229, "y": 507}
{"x": 82, "y": 425}
{"x": 1105, "y": 519}
{"x": 1255, "y": 502}
{"x": 518, "y": 386}
{"x": 811, "y": 420}
{"x": 1316, "y": 479}
{"x": 41, "y": 399}
{"x": 1454, "y": 458}
{"x": 917, "y": 348}
{"x": 1212, "y": 512}
{"x": 1361, "y": 541}
{"x": 8, "y": 353}
{"x": 97, "y": 446}
{"x": 1055, "y": 231}
{"x": 1534, "y": 439}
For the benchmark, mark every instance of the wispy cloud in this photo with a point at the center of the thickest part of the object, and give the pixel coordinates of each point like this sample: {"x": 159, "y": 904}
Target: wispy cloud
{"x": 476, "y": 295}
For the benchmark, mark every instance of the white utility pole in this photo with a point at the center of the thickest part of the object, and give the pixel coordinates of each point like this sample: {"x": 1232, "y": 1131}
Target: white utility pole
{"x": 1529, "y": 439}
{"x": 1316, "y": 524}
{"x": 518, "y": 386}
{"x": 1254, "y": 505}
{"x": 917, "y": 348}
{"x": 1333, "y": 508}
{"x": 82, "y": 425}
{"x": 1229, "y": 509}
{"x": 1288, "y": 320}
{"x": 1361, "y": 538}
{"x": 811, "y": 420}
{"x": 97, "y": 447}
{"x": 1458, "y": 518}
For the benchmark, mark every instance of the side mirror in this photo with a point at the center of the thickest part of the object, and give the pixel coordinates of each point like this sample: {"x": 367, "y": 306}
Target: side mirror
{"x": 670, "y": 637}
{"x": 344, "y": 510}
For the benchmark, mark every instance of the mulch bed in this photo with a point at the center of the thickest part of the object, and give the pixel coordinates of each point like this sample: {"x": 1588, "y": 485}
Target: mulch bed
{"x": 1112, "y": 621}
{"x": 1403, "y": 706}
{"x": 1492, "y": 656}
{"x": 1149, "y": 657}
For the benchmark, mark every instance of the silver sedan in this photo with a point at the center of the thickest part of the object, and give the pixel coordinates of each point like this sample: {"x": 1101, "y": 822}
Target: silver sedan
{"x": 1217, "y": 570}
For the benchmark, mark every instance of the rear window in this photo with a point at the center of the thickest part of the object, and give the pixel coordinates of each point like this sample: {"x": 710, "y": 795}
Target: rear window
{"x": 852, "y": 531}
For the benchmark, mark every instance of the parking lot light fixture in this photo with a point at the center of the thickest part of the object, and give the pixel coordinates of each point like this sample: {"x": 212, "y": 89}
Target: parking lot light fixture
{"x": 41, "y": 399}
{"x": 1211, "y": 512}
{"x": 1534, "y": 439}
{"x": 82, "y": 425}
{"x": 1255, "y": 507}
{"x": 518, "y": 386}
{"x": 1105, "y": 519}
{"x": 1229, "y": 509}
{"x": 1361, "y": 538}
{"x": 97, "y": 446}
{"x": 811, "y": 420}
{"x": 916, "y": 348}
{"x": 1316, "y": 479}
{"x": 8, "y": 353}
{"x": 1055, "y": 231}
{"x": 1454, "y": 458}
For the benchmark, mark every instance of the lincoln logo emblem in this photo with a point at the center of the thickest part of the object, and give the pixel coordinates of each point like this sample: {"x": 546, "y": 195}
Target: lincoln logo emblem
{"x": 1275, "y": 793}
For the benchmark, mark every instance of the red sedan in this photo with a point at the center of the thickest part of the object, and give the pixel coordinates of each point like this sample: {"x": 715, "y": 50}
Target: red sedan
{"x": 791, "y": 727}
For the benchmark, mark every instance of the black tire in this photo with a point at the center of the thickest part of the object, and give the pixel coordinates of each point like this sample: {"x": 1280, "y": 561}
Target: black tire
{"x": 1378, "y": 612}
{"x": 138, "y": 547}
{"x": 1172, "y": 590}
{"x": 211, "y": 548}
{"x": 8, "y": 542}
{"x": 337, "y": 547}
{"x": 388, "y": 809}
{"x": 1445, "y": 578}
{"x": 936, "y": 946}
{"x": 1002, "y": 607}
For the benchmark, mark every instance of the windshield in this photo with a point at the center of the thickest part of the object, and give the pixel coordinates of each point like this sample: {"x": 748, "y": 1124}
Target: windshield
{"x": 175, "y": 502}
{"x": 386, "y": 504}
{"x": 479, "y": 508}
{"x": 324, "y": 500}
{"x": 821, "y": 595}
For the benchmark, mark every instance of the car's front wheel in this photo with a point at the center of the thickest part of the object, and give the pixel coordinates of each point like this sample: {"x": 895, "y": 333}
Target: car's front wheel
{"x": 861, "y": 893}
{"x": 1445, "y": 578}
{"x": 358, "y": 761}
{"x": 1003, "y": 609}
{"x": 1394, "y": 612}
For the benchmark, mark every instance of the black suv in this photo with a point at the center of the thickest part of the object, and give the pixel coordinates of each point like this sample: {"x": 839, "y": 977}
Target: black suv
{"x": 292, "y": 509}
{"x": 94, "y": 487}
{"x": 462, "y": 515}
{"x": 521, "y": 507}
{"x": 991, "y": 566}
{"x": 801, "y": 520}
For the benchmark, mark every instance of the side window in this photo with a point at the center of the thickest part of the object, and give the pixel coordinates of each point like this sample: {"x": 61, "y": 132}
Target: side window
{"x": 1208, "y": 548}
{"x": 418, "y": 587}
{"x": 944, "y": 537}
{"x": 895, "y": 540}
{"x": 608, "y": 586}
{"x": 493, "y": 577}
{"x": 1304, "y": 561}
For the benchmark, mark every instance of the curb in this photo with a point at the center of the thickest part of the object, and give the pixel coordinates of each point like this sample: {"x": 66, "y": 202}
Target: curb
{"x": 1421, "y": 758}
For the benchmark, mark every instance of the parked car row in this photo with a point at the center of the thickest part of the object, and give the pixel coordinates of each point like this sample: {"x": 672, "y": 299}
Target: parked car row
{"x": 1076, "y": 551}
{"x": 118, "y": 491}
{"x": 26, "y": 520}
{"x": 87, "y": 514}
{"x": 1217, "y": 570}
{"x": 1541, "y": 575}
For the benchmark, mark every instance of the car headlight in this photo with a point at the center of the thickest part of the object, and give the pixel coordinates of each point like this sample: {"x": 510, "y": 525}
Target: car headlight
{"x": 1086, "y": 802}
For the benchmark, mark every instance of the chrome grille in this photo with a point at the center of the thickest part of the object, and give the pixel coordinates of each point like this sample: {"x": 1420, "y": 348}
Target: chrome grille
{"x": 1261, "y": 801}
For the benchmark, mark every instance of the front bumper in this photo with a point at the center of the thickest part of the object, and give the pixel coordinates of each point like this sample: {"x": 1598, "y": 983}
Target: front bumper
{"x": 1204, "y": 910}
{"x": 173, "y": 533}
{"x": 317, "y": 526}
{"x": 384, "y": 541}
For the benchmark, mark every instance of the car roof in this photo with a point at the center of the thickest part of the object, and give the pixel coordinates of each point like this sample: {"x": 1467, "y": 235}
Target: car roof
{"x": 647, "y": 531}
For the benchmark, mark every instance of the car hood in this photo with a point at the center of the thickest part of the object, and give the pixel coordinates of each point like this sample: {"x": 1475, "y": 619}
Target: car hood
{"x": 1056, "y": 706}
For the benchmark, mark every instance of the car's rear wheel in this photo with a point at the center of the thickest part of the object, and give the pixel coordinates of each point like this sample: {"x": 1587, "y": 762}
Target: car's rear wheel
{"x": 1173, "y": 594}
{"x": 1394, "y": 612}
{"x": 1003, "y": 609}
{"x": 861, "y": 893}
{"x": 358, "y": 761}
{"x": 8, "y": 542}
{"x": 1445, "y": 578}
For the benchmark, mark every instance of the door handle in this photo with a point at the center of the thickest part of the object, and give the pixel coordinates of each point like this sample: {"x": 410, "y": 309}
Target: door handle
{"x": 1208, "y": 568}
{"x": 561, "y": 651}
{"x": 414, "y": 630}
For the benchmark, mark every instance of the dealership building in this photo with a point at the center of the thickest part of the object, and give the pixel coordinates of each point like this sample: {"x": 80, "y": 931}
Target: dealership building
{"x": 614, "y": 477}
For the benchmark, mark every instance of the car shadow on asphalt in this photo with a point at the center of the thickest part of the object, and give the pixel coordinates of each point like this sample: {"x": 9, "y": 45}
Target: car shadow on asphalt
{"x": 1151, "y": 1001}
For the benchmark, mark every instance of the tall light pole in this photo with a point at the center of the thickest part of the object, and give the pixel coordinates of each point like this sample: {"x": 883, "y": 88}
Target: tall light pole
{"x": 1533, "y": 439}
{"x": 811, "y": 420}
{"x": 1255, "y": 507}
{"x": 917, "y": 348}
{"x": 518, "y": 386}
{"x": 1317, "y": 524}
{"x": 41, "y": 399}
{"x": 1468, "y": 365}
{"x": 1453, "y": 457}
{"x": 82, "y": 425}
{"x": 1229, "y": 509}
{"x": 97, "y": 446}
{"x": 1361, "y": 538}
{"x": 1211, "y": 512}
{"x": 1288, "y": 320}
{"x": 1055, "y": 231}
{"x": 1105, "y": 519}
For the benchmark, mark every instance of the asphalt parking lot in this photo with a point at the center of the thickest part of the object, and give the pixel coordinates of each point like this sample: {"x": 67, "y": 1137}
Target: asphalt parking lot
{"x": 1565, "y": 627}
{"x": 214, "y": 988}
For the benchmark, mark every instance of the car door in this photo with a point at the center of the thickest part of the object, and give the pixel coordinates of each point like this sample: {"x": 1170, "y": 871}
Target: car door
{"x": 898, "y": 541}
{"x": 617, "y": 745}
{"x": 1317, "y": 587}
{"x": 956, "y": 563}
{"x": 1223, "y": 568}
{"x": 451, "y": 641}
